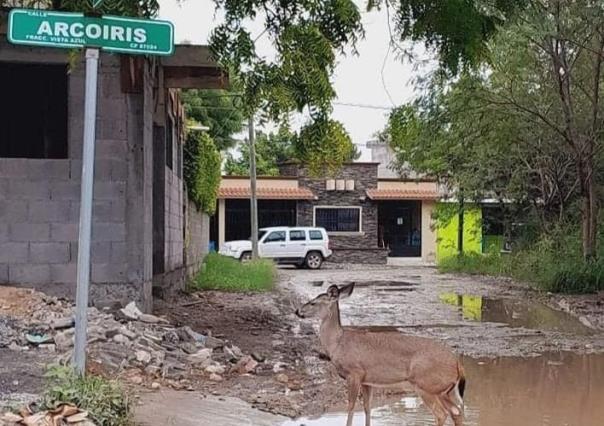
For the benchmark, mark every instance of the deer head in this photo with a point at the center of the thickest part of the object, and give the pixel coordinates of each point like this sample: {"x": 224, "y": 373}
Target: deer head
{"x": 322, "y": 305}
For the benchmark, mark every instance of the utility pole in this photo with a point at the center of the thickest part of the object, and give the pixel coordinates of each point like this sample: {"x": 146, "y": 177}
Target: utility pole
{"x": 253, "y": 196}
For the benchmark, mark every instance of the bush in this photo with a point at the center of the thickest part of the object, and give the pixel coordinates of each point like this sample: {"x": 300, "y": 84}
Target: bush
{"x": 553, "y": 263}
{"x": 225, "y": 273}
{"x": 201, "y": 171}
{"x": 105, "y": 401}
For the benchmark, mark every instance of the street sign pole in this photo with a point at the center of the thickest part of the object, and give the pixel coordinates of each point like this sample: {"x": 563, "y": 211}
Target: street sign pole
{"x": 83, "y": 279}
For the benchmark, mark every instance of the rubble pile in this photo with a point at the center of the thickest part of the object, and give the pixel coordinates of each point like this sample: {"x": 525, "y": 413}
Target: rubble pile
{"x": 127, "y": 341}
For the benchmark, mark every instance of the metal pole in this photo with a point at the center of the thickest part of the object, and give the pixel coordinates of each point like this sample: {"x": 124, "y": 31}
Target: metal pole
{"x": 253, "y": 197}
{"x": 79, "y": 354}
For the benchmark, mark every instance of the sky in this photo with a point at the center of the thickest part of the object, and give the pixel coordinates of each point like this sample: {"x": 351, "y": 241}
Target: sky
{"x": 374, "y": 77}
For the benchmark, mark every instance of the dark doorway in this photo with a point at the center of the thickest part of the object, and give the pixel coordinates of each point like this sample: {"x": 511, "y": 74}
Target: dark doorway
{"x": 399, "y": 228}
{"x": 270, "y": 213}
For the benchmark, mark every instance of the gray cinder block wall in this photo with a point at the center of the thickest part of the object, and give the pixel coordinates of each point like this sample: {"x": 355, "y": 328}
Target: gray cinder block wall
{"x": 40, "y": 198}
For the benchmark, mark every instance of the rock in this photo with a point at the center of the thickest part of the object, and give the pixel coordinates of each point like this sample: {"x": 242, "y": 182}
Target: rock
{"x": 278, "y": 342}
{"x": 282, "y": 378}
{"x": 585, "y": 321}
{"x": 215, "y": 377}
{"x": 245, "y": 365}
{"x": 258, "y": 357}
{"x": 50, "y": 347}
{"x": 131, "y": 311}
{"x": 155, "y": 385}
{"x": 152, "y": 370}
{"x": 127, "y": 332}
{"x": 61, "y": 323}
{"x": 143, "y": 357}
{"x": 233, "y": 352}
{"x": 213, "y": 343}
{"x": 14, "y": 346}
{"x": 121, "y": 339}
{"x": 151, "y": 319}
{"x": 136, "y": 380}
{"x": 189, "y": 348}
{"x": 171, "y": 337}
{"x": 215, "y": 369}
{"x": 279, "y": 366}
{"x": 200, "y": 356}
{"x": 64, "y": 339}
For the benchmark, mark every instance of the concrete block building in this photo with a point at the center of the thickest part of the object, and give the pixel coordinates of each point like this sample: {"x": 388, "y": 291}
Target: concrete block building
{"x": 145, "y": 232}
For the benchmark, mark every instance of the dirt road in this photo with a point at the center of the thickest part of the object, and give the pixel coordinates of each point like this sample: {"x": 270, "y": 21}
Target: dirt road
{"x": 518, "y": 351}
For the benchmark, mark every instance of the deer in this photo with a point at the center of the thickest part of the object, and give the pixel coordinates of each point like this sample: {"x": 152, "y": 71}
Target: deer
{"x": 387, "y": 359}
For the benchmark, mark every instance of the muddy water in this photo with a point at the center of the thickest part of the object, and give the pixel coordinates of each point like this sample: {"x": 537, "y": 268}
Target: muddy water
{"x": 562, "y": 389}
{"x": 515, "y": 313}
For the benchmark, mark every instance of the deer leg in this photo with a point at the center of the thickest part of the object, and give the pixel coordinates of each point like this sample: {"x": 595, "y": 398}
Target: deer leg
{"x": 454, "y": 407}
{"x": 354, "y": 386}
{"x": 367, "y": 394}
{"x": 436, "y": 406}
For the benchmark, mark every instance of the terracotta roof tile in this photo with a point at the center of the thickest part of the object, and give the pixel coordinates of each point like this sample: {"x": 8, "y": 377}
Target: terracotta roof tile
{"x": 267, "y": 193}
{"x": 402, "y": 194}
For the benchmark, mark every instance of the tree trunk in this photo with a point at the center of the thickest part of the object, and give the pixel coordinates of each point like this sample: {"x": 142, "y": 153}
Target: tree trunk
{"x": 589, "y": 211}
{"x": 460, "y": 226}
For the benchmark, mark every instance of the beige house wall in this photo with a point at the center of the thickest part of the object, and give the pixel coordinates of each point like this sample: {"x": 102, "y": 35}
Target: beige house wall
{"x": 228, "y": 182}
{"x": 408, "y": 186}
{"x": 428, "y": 232}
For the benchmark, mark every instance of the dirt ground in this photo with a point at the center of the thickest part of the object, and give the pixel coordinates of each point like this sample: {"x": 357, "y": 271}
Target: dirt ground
{"x": 515, "y": 322}
{"x": 481, "y": 318}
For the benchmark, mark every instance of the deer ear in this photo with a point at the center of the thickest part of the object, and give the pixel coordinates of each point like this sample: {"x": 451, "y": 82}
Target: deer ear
{"x": 346, "y": 290}
{"x": 333, "y": 292}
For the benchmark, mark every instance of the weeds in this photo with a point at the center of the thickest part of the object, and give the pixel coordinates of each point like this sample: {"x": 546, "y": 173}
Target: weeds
{"x": 228, "y": 274}
{"x": 105, "y": 401}
{"x": 552, "y": 264}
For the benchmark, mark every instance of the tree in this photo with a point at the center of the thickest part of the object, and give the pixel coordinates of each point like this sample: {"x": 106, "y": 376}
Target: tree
{"x": 307, "y": 35}
{"x": 220, "y": 110}
{"x": 529, "y": 127}
{"x": 271, "y": 149}
{"x": 324, "y": 145}
{"x": 284, "y": 145}
{"x": 144, "y": 8}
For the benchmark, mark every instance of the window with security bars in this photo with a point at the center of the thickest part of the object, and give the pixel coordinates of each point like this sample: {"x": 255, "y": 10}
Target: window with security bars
{"x": 345, "y": 219}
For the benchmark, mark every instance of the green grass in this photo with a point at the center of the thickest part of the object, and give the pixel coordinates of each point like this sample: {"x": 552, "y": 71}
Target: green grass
{"x": 228, "y": 274}
{"x": 105, "y": 400}
{"x": 558, "y": 268}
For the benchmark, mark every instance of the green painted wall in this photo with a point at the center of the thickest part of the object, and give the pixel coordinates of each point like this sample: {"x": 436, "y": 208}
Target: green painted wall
{"x": 446, "y": 231}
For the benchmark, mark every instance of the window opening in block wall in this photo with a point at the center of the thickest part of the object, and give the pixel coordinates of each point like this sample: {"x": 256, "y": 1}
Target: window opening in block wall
{"x": 33, "y": 111}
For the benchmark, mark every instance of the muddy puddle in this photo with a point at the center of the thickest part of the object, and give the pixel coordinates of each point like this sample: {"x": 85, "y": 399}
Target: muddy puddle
{"x": 515, "y": 313}
{"x": 561, "y": 389}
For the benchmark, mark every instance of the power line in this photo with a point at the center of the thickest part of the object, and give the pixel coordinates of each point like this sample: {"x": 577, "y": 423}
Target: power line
{"x": 354, "y": 105}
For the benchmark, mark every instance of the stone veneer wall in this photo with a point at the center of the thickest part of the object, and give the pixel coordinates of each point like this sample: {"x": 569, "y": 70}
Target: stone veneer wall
{"x": 354, "y": 247}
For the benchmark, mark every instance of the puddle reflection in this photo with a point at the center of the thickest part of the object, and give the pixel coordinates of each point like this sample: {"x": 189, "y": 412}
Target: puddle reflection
{"x": 555, "y": 390}
{"x": 515, "y": 313}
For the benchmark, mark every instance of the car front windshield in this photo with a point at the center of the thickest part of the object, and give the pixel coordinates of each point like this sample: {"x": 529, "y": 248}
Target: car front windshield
{"x": 260, "y": 235}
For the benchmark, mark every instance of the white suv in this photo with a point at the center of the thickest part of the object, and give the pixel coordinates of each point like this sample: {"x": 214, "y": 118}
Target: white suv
{"x": 300, "y": 246}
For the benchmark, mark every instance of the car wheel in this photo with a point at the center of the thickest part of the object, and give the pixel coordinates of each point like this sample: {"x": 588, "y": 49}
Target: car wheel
{"x": 246, "y": 256}
{"x": 314, "y": 260}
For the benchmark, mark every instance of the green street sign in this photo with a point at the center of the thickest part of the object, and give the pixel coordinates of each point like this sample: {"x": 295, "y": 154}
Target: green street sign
{"x": 73, "y": 30}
